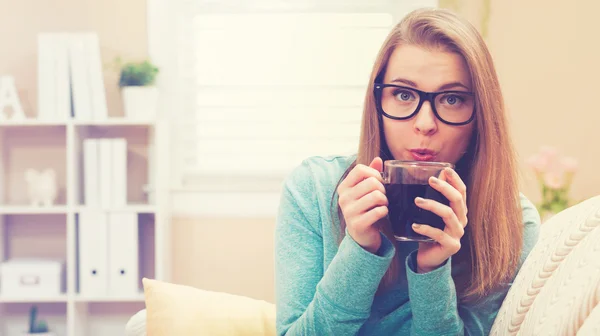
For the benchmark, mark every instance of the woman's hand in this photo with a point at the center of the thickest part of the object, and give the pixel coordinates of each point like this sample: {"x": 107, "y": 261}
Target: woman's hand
{"x": 363, "y": 202}
{"x": 447, "y": 242}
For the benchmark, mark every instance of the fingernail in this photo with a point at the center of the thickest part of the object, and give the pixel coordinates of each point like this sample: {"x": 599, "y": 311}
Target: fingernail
{"x": 419, "y": 200}
{"x": 416, "y": 226}
{"x": 435, "y": 180}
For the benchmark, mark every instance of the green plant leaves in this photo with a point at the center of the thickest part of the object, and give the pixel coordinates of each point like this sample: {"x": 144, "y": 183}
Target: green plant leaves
{"x": 138, "y": 74}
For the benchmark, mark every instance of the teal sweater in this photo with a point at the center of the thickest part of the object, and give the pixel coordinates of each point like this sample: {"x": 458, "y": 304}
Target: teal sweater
{"x": 326, "y": 289}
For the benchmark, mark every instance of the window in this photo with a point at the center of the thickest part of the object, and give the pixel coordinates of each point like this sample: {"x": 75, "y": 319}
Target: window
{"x": 265, "y": 84}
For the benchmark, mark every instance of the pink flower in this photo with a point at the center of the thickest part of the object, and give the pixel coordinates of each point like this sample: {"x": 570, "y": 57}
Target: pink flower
{"x": 569, "y": 164}
{"x": 553, "y": 180}
{"x": 538, "y": 162}
{"x": 549, "y": 152}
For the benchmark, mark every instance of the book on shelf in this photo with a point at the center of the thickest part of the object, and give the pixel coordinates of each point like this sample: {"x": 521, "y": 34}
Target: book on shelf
{"x": 105, "y": 173}
{"x": 70, "y": 77}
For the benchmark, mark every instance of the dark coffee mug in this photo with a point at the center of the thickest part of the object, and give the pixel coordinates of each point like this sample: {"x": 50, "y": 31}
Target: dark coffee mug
{"x": 404, "y": 181}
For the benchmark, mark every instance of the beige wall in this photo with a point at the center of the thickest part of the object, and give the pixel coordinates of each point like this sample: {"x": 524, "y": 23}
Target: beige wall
{"x": 547, "y": 55}
{"x": 231, "y": 255}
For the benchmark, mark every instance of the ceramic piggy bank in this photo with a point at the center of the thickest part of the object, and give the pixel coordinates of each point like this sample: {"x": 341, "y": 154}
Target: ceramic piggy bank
{"x": 41, "y": 186}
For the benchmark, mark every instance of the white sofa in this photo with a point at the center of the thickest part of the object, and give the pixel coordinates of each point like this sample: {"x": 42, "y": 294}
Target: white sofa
{"x": 557, "y": 291}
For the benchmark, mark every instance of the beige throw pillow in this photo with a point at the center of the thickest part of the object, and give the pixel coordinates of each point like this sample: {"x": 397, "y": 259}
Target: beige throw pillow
{"x": 182, "y": 310}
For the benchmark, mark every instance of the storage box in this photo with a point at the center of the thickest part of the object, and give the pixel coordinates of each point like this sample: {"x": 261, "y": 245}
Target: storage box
{"x": 26, "y": 278}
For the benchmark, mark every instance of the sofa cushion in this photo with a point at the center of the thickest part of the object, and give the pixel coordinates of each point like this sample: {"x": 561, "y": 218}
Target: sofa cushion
{"x": 136, "y": 326}
{"x": 173, "y": 309}
{"x": 558, "y": 287}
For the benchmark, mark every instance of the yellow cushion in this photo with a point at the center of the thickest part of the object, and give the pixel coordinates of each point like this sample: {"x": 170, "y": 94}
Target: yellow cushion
{"x": 182, "y": 310}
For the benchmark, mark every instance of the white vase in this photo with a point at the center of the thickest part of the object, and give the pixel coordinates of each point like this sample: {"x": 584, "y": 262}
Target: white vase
{"x": 140, "y": 102}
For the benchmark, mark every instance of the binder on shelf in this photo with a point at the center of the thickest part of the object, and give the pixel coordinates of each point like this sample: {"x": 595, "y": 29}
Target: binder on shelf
{"x": 123, "y": 260}
{"x": 105, "y": 168}
{"x": 96, "y": 80}
{"x": 118, "y": 182}
{"x": 54, "y": 98}
{"x": 93, "y": 254}
{"x": 91, "y": 174}
{"x": 80, "y": 80}
{"x": 105, "y": 173}
{"x": 70, "y": 77}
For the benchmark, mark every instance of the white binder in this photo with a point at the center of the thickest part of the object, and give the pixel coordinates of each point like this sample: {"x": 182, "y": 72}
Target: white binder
{"x": 93, "y": 254}
{"x": 105, "y": 166}
{"x": 80, "y": 78}
{"x": 94, "y": 63}
{"x": 118, "y": 181}
{"x": 123, "y": 254}
{"x": 91, "y": 173}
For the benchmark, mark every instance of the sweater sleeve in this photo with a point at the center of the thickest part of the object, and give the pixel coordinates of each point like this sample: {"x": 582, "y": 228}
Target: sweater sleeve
{"x": 433, "y": 296}
{"x": 311, "y": 301}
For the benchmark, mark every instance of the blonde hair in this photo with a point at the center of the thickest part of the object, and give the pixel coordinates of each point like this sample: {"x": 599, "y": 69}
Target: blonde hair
{"x": 492, "y": 243}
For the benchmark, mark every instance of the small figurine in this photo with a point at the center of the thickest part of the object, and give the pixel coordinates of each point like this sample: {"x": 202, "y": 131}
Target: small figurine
{"x": 10, "y": 99}
{"x": 41, "y": 186}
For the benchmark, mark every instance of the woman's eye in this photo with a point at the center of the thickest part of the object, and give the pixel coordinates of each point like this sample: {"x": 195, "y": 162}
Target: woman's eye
{"x": 453, "y": 99}
{"x": 404, "y": 95}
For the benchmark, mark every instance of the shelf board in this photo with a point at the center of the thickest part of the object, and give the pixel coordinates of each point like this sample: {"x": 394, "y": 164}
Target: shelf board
{"x": 9, "y": 299}
{"x": 31, "y": 210}
{"x": 131, "y": 298}
{"x": 33, "y": 122}
{"x": 64, "y": 298}
{"x": 53, "y": 123}
{"x": 114, "y": 122}
{"x": 139, "y": 208}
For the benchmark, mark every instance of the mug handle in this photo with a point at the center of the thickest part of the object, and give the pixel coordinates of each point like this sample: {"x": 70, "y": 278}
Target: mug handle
{"x": 383, "y": 176}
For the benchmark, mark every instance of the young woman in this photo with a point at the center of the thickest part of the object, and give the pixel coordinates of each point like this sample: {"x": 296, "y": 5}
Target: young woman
{"x": 433, "y": 96}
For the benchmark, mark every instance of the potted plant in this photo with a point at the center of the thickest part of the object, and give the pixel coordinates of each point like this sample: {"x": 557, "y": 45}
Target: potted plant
{"x": 38, "y": 328}
{"x": 137, "y": 84}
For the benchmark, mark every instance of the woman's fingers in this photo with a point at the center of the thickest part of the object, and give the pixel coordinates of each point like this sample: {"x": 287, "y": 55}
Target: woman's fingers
{"x": 455, "y": 197}
{"x": 447, "y": 242}
{"x": 445, "y": 212}
{"x": 361, "y": 172}
{"x": 365, "y": 187}
{"x": 369, "y": 201}
{"x": 372, "y": 216}
{"x": 454, "y": 179}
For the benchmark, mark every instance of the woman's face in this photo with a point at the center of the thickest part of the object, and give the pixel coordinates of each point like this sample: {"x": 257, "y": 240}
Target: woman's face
{"x": 424, "y": 137}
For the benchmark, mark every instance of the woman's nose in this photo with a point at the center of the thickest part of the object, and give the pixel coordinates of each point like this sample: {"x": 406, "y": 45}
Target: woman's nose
{"x": 425, "y": 121}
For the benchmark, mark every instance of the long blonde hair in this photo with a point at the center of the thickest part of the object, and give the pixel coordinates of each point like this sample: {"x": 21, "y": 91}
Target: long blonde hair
{"x": 492, "y": 243}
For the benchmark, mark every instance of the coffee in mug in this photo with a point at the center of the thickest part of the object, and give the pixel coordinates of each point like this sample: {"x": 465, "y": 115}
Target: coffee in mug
{"x": 404, "y": 181}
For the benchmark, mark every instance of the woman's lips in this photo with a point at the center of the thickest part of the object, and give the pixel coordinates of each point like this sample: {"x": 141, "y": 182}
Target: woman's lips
{"x": 422, "y": 154}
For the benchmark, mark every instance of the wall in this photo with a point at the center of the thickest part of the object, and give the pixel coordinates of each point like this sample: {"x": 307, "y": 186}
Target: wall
{"x": 547, "y": 60}
{"x": 231, "y": 255}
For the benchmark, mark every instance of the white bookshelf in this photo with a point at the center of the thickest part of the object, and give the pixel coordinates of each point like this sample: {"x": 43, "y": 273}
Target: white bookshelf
{"x": 41, "y": 232}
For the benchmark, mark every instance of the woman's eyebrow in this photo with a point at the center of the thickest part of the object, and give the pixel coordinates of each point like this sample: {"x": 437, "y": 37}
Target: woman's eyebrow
{"x": 447, "y": 86}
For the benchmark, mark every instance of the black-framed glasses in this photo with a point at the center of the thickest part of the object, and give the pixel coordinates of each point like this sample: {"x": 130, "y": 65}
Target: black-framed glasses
{"x": 400, "y": 103}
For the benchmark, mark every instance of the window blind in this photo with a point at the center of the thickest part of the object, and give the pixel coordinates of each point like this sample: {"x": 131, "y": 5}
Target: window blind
{"x": 266, "y": 84}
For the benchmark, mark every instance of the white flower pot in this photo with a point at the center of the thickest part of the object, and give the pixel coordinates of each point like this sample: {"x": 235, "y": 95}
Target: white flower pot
{"x": 140, "y": 102}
